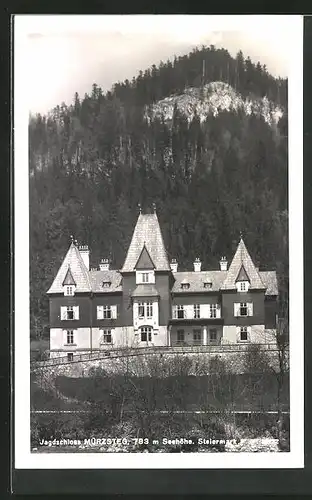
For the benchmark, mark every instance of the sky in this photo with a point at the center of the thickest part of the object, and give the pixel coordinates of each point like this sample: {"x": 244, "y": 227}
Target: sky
{"x": 64, "y": 54}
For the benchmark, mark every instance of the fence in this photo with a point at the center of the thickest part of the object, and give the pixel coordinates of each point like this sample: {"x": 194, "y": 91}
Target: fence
{"x": 98, "y": 354}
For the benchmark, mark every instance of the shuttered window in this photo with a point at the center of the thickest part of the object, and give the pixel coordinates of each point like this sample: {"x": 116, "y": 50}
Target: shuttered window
{"x": 243, "y": 309}
{"x": 69, "y": 312}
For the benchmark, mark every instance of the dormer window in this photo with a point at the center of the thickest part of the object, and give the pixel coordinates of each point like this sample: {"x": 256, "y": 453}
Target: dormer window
{"x": 185, "y": 286}
{"x": 144, "y": 277}
{"x": 69, "y": 290}
{"x": 106, "y": 284}
{"x": 242, "y": 286}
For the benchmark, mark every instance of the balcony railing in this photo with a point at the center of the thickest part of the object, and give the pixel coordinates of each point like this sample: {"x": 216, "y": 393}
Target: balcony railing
{"x": 189, "y": 314}
{"x": 183, "y": 343}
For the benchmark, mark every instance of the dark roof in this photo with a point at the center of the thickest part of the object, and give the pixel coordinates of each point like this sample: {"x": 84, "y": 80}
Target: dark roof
{"x": 144, "y": 261}
{"x": 242, "y": 275}
{"x": 80, "y": 273}
{"x": 196, "y": 279}
{"x": 99, "y": 277}
{"x": 145, "y": 291}
{"x": 69, "y": 280}
{"x": 147, "y": 232}
{"x": 240, "y": 258}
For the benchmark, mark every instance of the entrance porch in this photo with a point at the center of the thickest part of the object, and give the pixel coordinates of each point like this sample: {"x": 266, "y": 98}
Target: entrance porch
{"x": 195, "y": 335}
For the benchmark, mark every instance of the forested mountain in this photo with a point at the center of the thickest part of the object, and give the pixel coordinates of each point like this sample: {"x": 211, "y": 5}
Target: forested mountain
{"x": 211, "y": 176}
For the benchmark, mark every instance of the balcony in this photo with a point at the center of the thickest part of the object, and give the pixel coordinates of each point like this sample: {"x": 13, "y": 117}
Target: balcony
{"x": 190, "y": 318}
{"x": 203, "y": 314}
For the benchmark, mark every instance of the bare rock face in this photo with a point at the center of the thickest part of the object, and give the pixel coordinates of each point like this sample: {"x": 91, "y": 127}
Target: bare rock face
{"x": 210, "y": 100}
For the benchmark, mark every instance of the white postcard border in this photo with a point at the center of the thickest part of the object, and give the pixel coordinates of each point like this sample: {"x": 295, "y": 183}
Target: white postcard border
{"x": 24, "y": 459}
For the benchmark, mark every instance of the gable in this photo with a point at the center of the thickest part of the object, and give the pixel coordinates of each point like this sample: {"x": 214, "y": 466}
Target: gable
{"x": 69, "y": 280}
{"x": 147, "y": 232}
{"x": 242, "y": 275}
{"x": 78, "y": 270}
{"x": 242, "y": 259}
{"x": 144, "y": 261}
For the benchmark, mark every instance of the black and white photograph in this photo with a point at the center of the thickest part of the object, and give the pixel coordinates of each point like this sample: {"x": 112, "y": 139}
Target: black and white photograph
{"x": 158, "y": 241}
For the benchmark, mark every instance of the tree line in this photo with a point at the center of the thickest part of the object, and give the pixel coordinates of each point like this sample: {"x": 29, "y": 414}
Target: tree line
{"x": 93, "y": 162}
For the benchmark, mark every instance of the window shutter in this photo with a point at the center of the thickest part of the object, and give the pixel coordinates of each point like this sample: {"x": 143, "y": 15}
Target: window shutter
{"x": 63, "y": 312}
{"x": 99, "y": 312}
{"x": 76, "y": 312}
{"x": 218, "y": 311}
{"x": 174, "y": 312}
{"x": 238, "y": 334}
{"x": 249, "y": 333}
{"x": 250, "y": 309}
{"x": 236, "y": 308}
{"x": 114, "y": 312}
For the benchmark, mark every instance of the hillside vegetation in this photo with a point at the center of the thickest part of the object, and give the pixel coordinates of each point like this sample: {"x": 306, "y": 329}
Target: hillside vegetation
{"x": 212, "y": 171}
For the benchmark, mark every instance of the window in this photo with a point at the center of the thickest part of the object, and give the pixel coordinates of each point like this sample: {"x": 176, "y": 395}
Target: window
{"x": 70, "y": 336}
{"x": 196, "y": 311}
{"x": 180, "y": 335}
{"x": 149, "y": 310}
{"x": 70, "y": 356}
{"x": 69, "y": 290}
{"x": 106, "y": 284}
{"x": 180, "y": 312}
{"x": 242, "y": 286}
{"x": 146, "y": 334}
{"x": 213, "y": 311}
{"x": 243, "y": 333}
{"x": 197, "y": 337}
{"x": 145, "y": 277}
{"x": 213, "y": 335}
{"x": 106, "y": 312}
{"x": 185, "y": 286}
{"x": 107, "y": 336}
{"x": 69, "y": 312}
{"x": 243, "y": 309}
{"x": 207, "y": 284}
{"x": 145, "y": 309}
{"x": 141, "y": 309}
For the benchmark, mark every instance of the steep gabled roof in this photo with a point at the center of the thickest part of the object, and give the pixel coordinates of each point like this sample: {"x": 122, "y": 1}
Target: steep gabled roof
{"x": 242, "y": 258}
{"x": 69, "y": 280}
{"x": 144, "y": 260}
{"x": 79, "y": 272}
{"x": 242, "y": 275}
{"x": 147, "y": 232}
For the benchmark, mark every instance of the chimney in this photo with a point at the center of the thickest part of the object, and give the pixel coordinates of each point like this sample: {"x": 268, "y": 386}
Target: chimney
{"x": 174, "y": 265}
{"x": 197, "y": 265}
{"x": 85, "y": 254}
{"x": 223, "y": 264}
{"x": 104, "y": 265}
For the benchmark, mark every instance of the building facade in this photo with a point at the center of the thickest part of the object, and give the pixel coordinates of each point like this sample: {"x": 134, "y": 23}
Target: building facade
{"x": 149, "y": 302}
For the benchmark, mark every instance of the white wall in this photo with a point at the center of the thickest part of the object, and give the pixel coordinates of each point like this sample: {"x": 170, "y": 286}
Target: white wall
{"x": 58, "y": 339}
{"x": 153, "y": 322}
{"x": 256, "y": 335}
{"x": 229, "y": 335}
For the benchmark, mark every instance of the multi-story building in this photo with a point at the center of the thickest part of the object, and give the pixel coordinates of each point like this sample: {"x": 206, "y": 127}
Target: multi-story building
{"x": 149, "y": 302}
